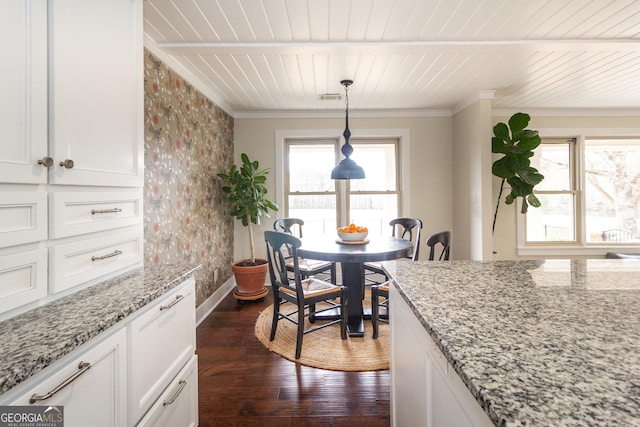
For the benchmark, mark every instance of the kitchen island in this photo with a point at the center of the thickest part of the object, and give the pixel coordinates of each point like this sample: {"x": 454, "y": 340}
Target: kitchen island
{"x": 511, "y": 343}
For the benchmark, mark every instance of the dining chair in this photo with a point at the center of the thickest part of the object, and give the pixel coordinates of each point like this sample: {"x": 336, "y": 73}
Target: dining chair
{"x": 405, "y": 228}
{"x": 305, "y": 293}
{"x": 308, "y": 267}
{"x": 382, "y": 290}
{"x": 443, "y": 238}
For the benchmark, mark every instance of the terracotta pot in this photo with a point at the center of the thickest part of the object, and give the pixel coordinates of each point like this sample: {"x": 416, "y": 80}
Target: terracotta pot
{"x": 250, "y": 279}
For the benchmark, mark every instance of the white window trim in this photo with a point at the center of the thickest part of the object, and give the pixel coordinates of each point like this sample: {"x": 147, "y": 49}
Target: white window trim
{"x": 582, "y": 249}
{"x": 403, "y": 136}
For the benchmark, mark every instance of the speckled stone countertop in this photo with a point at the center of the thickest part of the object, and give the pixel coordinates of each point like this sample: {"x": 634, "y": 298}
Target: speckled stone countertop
{"x": 33, "y": 340}
{"x": 538, "y": 343}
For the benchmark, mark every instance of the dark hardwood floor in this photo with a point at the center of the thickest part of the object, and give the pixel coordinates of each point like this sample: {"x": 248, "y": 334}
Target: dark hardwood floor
{"x": 241, "y": 383}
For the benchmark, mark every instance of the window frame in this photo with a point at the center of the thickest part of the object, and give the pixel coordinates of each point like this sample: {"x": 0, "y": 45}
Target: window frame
{"x": 580, "y": 247}
{"x": 402, "y": 135}
{"x": 575, "y": 190}
{"x": 348, "y": 192}
{"x": 285, "y": 188}
{"x": 342, "y": 188}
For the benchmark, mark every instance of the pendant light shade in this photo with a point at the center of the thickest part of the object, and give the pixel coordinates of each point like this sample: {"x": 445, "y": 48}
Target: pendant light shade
{"x": 347, "y": 168}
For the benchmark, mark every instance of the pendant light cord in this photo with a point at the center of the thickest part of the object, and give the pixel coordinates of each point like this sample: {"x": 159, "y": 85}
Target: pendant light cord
{"x": 346, "y": 98}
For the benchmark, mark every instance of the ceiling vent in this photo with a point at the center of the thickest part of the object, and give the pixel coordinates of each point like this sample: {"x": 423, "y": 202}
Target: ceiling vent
{"x": 330, "y": 97}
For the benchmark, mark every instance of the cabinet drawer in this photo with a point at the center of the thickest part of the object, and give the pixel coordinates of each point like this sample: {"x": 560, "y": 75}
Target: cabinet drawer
{"x": 71, "y": 264}
{"x": 23, "y": 218}
{"x": 97, "y": 394}
{"x": 23, "y": 278}
{"x": 178, "y": 405}
{"x": 87, "y": 212}
{"x": 162, "y": 340}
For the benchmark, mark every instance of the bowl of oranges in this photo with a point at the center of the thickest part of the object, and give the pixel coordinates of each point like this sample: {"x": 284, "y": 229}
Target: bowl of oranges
{"x": 353, "y": 233}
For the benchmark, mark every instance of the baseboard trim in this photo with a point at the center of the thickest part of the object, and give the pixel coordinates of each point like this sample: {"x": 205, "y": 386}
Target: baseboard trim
{"x": 204, "y": 309}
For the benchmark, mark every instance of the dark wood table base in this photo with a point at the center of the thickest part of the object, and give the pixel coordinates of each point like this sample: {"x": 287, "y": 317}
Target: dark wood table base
{"x": 352, "y": 259}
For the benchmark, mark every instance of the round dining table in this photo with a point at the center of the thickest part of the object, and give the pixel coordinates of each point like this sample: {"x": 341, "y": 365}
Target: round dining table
{"x": 352, "y": 258}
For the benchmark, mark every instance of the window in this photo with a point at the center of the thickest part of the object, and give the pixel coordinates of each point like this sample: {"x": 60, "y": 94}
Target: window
{"x": 612, "y": 190}
{"x": 554, "y": 221}
{"x": 323, "y": 203}
{"x": 310, "y": 193}
{"x": 590, "y": 195}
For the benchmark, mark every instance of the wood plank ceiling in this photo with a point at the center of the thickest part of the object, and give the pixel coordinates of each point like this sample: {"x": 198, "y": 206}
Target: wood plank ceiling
{"x": 280, "y": 55}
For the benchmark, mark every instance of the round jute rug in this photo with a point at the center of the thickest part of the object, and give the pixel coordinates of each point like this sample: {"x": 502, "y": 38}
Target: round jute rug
{"x": 325, "y": 349}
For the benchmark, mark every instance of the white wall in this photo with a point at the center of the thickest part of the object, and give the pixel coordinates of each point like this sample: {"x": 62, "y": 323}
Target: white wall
{"x": 504, "y": 242}
{"x": 472, "y": 182}
{"x": 430, "y": 154}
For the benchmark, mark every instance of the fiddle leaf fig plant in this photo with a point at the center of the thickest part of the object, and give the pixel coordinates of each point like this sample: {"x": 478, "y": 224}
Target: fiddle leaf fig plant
{"x": 516, "y": 144}
{"x": 247, "y": 193}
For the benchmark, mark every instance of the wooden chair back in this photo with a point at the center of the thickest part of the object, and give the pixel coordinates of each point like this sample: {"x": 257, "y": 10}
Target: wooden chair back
{"x": 408, "y": 228}
{"x": 291, "y": 226}
{"x": 443, "y": 238}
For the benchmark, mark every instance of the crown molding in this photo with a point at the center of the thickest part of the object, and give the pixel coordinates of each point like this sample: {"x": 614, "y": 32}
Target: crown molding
{"x": 310, "y": 114}
{"x": 481, "y": 94}
{"x": 571, "y": 112}
{"x": 196, "y": 82}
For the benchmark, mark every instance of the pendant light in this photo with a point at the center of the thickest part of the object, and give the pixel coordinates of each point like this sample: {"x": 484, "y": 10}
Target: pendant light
{"x": 347, "y": 168}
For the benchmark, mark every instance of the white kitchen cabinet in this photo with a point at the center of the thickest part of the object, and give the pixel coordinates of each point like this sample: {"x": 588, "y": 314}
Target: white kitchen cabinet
{"x": 161, "y": 342}
{"x": 425, "y": 390}
{"x": 142, "y": 369}
{"x": 23, "y": 269}
{"x": 74, "y": 213}
{"x": 96, "y": 92}
{"x": 71, "y": 150}
{"x": 95, "y": 390}
{"x": 178, "y": 405}
{"x": 77, "y": 262}
{"x": 23, "y": 278}
{"x": 23, "y": 217}
{"x": 23, "y": 108}
{"x": 76, "y": 92}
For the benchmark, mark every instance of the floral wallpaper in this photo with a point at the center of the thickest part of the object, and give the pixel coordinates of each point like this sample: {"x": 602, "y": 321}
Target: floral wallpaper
{"x": 188, "y": 139}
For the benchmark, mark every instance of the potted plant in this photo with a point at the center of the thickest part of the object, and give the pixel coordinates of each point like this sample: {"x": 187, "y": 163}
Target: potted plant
{"x": 516, "y": 143}
{"x": 246, "y": 192}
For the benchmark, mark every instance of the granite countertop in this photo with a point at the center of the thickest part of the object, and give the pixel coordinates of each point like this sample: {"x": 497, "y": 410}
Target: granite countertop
{"x": 35, "y": 339}
{"x": 538, "y": 343}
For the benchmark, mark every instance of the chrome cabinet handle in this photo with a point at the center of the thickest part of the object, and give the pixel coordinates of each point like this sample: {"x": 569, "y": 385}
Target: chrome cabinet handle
{"x": 82, "y": 366}
{"x": 174, "y": 302}
{"x": 46, "y": 161}
{"x": 68, "y": 163}
{"x": 101, "y": 257}
{"x": 104, "y": 211}
{"x": 182, "y": 383}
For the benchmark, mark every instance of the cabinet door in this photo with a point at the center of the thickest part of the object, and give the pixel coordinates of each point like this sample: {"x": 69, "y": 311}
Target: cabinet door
{"x": 162, "y": 340}
{"x": 425, "y": 390}
{"x": 97, "y": 394}
{"x": 23, "y": 106}
{"x": 411, "y": 392}
{"x": 96, "y": 90}
{"x": 178, "y": 405}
